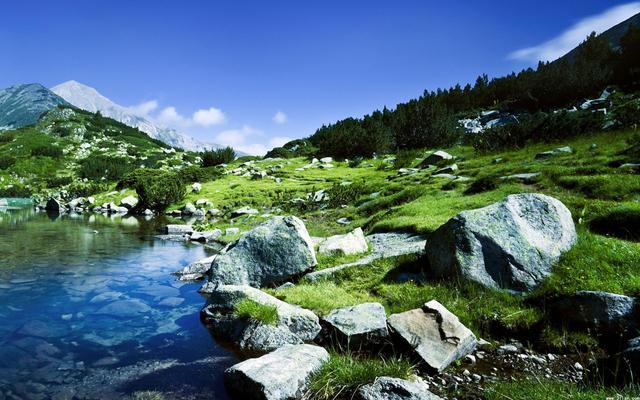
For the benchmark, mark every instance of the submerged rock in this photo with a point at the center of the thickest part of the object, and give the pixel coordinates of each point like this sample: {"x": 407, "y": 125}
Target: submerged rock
{"x": 124, "y": 309}
{"x": 271, "y": 253}
{"x": 279, "y": 375}
{"x": 511, "y": 244}
{"x": 353, "y": 242}
{"x": 196, "y": 270}
{"x": 433, "y": 334}
{"x": 385, "y": 388}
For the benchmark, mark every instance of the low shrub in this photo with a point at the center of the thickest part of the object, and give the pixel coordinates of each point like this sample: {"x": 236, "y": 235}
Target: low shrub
{"x": 110, "y": 168}
{"x": 7, "y": 138}
{"x": 47, "y": 150}
{"x": 159, "y": 190}
{"x": 406, "y": 158}
{"x": 199, "y": 174}
{"x": 255, "y": 311}
{"x": 483, "y": 184}
{"x": 58, "y": 181}
{"x": 86, "y": 189}
{"x": 6, "y": 162}
{"x": 15, "y": 191}
{"x": 211, "y": 158}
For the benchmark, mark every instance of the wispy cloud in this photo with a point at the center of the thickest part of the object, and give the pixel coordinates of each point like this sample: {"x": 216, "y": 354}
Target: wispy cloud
{"x": 280, "y": 118}
{"x": 143, "y": 109}
{"x": 570, "y": 38}
{"x": 169, "y": 116}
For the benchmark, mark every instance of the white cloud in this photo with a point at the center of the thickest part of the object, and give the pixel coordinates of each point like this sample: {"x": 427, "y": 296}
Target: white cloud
{"x": 143, "y": 109}
{"x": 279, "y": 141}
{"x": 567, "y": 40}
{"x": 241, "y": 139}
{"x": 280, "y": 118}
{"x": 169, "y": 116}
{"x": 209, "y": 117}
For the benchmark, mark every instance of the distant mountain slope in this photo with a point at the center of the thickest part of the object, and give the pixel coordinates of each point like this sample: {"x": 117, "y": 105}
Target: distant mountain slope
{"x": 22, "y": 105}
{"x": 89, "y": 99}
{"x": 612, "y": 35}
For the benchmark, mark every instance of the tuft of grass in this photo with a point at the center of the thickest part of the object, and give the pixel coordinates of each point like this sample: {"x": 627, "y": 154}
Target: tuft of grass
{"x": 563, "y": 340}
{"x": 543, "y": 389}
{"x": 254, "y": 311}
{"x": 596, "y": 263}
{"x": 322, "y": 296}
{"x": 343, "y": 374}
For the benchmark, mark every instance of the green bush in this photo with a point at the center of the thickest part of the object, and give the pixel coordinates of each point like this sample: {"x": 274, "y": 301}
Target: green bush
{"x": 159, "y": 190}
{"x": 86, "y": 189}
{"x": 539, "y": 127}
{"x": 110, "y": 168}
{"x": 255, "y": 311}
{"x": 7, "y": 138}
{"x": 279, "y": 152}
{"x": 15, "y": 191}
{"x": 406, "y": 158}
{"x": 211, "y": 158}
{"x": 58, "y": 181}
{"x": 6, "y": 162}
{"x": 200, "y": 174}
{"x": 47, "y": 150}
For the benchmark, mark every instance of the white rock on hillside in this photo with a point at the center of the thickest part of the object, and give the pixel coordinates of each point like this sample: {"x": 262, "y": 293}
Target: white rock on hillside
{"x": 353, "y": 242}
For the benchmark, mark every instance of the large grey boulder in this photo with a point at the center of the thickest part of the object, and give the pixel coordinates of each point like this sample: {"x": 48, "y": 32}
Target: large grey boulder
{"x": 351, "y": 243}
{"x": 598, "y": 312}
{"x": 386, "y": 388}
{"x": 248, "y": 335}
{"x": 222, "y": 299}
{"x": 433, "y": 334}
{"x": 244, "y": 211}
{"x": 272, "y": 253}
{"x": 54, "y": 206}
{"x": 437, "y": 158}
{"x": 363, "y": 324}
{"x": 279, "y": 375}
{"x": 196, "y": 270}
{"x": 511, "y": 244}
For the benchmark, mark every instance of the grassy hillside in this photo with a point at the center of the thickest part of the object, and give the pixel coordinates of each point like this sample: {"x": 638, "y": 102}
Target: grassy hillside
{"x": 77, "y": 151}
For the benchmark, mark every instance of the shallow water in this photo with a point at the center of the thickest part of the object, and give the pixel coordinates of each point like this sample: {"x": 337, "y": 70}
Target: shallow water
{"x": 88, "y": 308}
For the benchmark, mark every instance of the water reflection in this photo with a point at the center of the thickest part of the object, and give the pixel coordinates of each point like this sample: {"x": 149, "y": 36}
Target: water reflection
{"x": 88, "y": 308}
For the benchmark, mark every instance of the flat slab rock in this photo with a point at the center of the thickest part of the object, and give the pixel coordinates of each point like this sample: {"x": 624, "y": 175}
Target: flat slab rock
{"x": 280, "y": 375}
{"x": 385, "y": 388}
{"x": 196, "y": 270}
{"x": 383, "y": 245}
{"x": 360, "y": 324}
{"x": 351, "y": 243}
{"x": 434, "y": 334}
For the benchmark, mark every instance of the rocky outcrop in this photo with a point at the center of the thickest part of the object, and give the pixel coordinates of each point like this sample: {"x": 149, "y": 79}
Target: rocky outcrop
{"x": 347, "y": 244}
{"x": 363, "y": 324}
{"x": 598, "y": 312}
{"x": 243, "y": 211}
{"x": 222, "y": 299}
{"x": 386, "y": 388}
{"x": 279, "y": 375}
{"x": 433, "y": 334}
{"x": 271, "y": 253}
{"x": 511, "y": 244}
{"x": 554, "y": 152}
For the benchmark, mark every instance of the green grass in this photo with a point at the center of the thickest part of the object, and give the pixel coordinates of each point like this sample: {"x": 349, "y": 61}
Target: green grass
{"x": 543, "y": 389}
{"x": 322, "y": 297}
{"x": 254, "y": 311}
{"x": 343, "y": 374}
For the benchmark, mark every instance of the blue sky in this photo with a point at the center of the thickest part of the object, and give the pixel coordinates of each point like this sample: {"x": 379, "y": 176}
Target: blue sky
{"x": 253, "y": 74}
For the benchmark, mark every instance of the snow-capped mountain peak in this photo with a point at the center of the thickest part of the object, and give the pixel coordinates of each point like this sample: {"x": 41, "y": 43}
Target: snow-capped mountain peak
{"x": 89, "y": 99}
